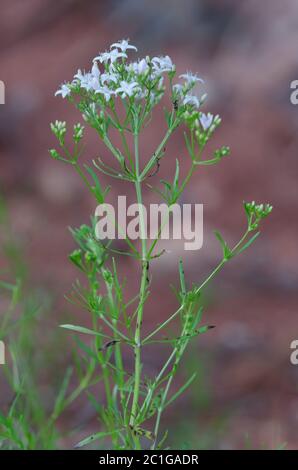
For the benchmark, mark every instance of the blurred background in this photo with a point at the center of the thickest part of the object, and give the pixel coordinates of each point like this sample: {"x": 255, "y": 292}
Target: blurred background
{"x": 246, "y": 393}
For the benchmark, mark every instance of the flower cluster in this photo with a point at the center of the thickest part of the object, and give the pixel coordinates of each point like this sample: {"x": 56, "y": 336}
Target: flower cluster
{"x": 59, "y": 130}
{"x": 112, "y": 76}
{"x": 256, "y": 212}
{"x": 202, "y": 127}
{"x": 183, "y": 91}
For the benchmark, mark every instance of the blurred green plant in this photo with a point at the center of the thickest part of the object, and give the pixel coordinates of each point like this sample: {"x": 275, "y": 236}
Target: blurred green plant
{"x": 27, "y": 421}
{"x": 121, "y": 97}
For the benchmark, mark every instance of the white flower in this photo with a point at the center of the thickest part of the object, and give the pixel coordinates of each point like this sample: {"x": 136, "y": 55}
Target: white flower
{"x": 206, "y": 120}
{"x": 123, "y": 45}
{"x": 127, "y": 89}
{"x": 140, "y": 67}
{"x": 90, "y": 80}
{"x": 94, "y": 84}
{"x": 85, "y": 80}
{"x": 95, "y": 70}
{"x": 64, "y": 90}
{"x": 108, "y": 77}
{"x": 111, "y": 56}
{"x": 163, "y": 64}
{"x": 192, "y": 100}
{"x": 114, "y": 55}
{"x": 191, "y": 78}
{"x": 79, "y": 75}
{"x": 178, "y": 88}
{"x": 104, "y": 90}
{"x": 103, "y": 57}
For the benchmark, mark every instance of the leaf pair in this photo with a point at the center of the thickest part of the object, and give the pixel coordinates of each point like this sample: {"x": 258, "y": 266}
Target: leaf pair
{"x": 229, "y": 253}
{"x": 98, "y": 191}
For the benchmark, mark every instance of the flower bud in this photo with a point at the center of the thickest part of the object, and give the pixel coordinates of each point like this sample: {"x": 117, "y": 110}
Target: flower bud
{"x": 78, "y": 132}
{"x": 54, "y": 154}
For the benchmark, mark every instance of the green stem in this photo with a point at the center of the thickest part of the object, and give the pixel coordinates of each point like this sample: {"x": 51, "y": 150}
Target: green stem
{"x": 84, "y": 178}
{"x": 186, "y": 180}
{"x": 142, "y": 296}
{"x": 223, "y": 261}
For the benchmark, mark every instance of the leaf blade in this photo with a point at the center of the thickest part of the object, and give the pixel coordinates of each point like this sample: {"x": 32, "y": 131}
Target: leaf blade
{"x": 82, "y": 329}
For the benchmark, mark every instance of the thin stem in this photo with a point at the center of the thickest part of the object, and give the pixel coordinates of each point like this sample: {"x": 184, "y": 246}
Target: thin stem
{"x": 84, "y": 178}
{"x": 223, "y": 261}
{"x": 211, "y": 275}
{"x": 142, "y": 295}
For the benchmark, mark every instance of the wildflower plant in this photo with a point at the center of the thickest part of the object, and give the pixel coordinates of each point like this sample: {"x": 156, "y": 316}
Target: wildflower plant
{"x": 120, "y": 95}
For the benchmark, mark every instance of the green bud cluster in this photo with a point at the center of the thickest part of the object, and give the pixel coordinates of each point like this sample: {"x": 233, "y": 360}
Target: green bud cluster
{"x": 256, "y": 212}
{"x": 59, "y": 130}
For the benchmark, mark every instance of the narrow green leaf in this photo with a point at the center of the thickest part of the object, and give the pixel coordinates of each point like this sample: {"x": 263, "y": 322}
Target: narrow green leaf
{"x": 94, "y": 437}
{"x": 168, "y": 117}
{"x": 198, "y": 316}
{"x": 225, "y": 249}
{"x": 213, "y": 161}
{"x": 82, "y": 329}
{"x": 161, "y": 442}
{"x": 166, "y": 184}
{"x": 97, "y": 406}
{"x": 246, "y": 245}
{"x": 176, "y": 177}
{"x": 88, "y": 351}
{"x": 188, "y": 145}
{"x": 182, "y": 278}
{"x": 98, "y": 191}
{"x": 203, "y": 329}
{"x": 181, "y": 389}
{"x": 188, "y": 336}
{"x": 157, "y": 191}
{"x": 62, "y": 392}
{"x": 7, "y": 285}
